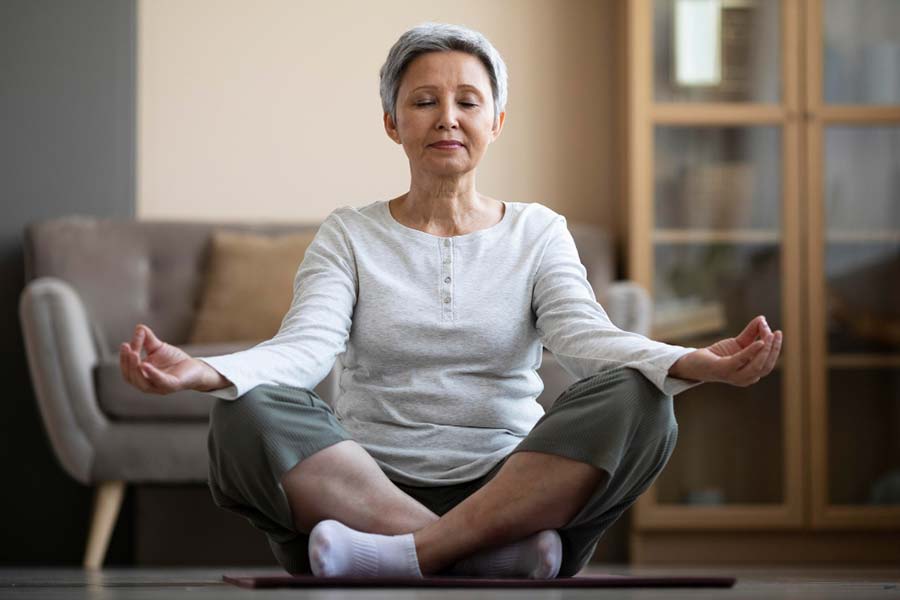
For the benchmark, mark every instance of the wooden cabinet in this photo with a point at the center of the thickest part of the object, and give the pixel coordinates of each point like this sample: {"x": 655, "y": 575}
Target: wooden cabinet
{"x": 763, "y": 155}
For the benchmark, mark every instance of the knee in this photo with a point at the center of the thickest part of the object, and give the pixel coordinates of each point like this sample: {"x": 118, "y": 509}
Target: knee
{"x": 237, "y": 428}
{"x": 229, "y": 418}
{"x": 653, "y": 409}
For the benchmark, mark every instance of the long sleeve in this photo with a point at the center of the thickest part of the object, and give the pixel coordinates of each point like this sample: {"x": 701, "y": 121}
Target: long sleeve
{"x": 575, "y": 327}
{"x": 314, "y": 330}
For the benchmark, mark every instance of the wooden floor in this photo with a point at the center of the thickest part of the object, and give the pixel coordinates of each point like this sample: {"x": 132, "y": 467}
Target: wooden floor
{"x": 821, "y": 583}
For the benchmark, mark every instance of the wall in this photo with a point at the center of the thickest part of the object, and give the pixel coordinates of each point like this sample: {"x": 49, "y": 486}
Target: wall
{"x": 67, "y": 146}
{"x": 270, "y": 110}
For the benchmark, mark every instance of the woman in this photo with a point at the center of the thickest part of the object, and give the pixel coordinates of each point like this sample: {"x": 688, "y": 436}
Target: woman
{"x": 436, "y": 458}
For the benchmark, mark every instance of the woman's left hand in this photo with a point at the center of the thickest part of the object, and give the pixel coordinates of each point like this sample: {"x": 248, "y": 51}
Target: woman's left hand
{"x": 740, "y": 361}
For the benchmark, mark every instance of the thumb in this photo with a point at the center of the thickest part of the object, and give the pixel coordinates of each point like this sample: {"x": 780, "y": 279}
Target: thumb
{"x": 151, "y": 341}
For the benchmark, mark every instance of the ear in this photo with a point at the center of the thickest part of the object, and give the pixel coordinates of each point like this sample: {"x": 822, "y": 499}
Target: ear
{"x": 391, "y": 128}
{"x": 498, "y": 126}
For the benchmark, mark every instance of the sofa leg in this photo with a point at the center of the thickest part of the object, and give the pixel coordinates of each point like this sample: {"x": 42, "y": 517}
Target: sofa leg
{"x": 107, "y": 502}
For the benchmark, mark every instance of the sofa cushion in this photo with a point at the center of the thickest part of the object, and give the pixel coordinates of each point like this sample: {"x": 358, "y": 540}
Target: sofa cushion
{"x": 120, "y": 400}
{"x": 248, "y": 285}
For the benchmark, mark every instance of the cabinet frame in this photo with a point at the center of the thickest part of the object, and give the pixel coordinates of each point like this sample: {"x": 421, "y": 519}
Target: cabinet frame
{"x": 643, "y": 114}
{"x": 818, "y": 116}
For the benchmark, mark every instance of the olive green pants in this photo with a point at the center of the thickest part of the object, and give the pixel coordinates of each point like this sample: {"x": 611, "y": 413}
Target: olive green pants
{"x": 616, "y": 420}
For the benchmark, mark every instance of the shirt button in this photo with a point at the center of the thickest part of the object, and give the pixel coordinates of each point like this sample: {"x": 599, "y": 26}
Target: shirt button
{"x": 446, "y": 242}
{"x": 447, "y": 300}
{"x": 446, "y": 280}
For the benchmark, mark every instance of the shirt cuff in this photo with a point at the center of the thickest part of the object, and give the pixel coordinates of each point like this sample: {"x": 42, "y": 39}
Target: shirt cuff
{"x": 232, "y": 392}
{"x": 672, "y": 386}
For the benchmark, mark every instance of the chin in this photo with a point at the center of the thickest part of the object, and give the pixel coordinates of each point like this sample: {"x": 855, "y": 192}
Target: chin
{"x": 448, "y": 169}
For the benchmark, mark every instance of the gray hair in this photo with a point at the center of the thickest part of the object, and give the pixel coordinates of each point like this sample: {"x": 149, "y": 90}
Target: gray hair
{"x": 440, "y": 37}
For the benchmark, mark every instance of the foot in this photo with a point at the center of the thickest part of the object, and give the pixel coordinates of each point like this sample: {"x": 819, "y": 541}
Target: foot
{"x": 336, "y": 550}
{"x": 536, "y": 557}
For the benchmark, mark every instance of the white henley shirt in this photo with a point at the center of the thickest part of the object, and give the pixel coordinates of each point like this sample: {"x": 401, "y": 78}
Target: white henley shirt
{"x": 440, "y": 338}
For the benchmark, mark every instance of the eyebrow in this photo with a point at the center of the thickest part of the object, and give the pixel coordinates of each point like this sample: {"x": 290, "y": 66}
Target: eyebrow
{"x": 432, "y": 87}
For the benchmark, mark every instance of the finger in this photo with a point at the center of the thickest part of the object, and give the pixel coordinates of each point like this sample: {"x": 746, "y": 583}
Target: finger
{"x": 159, "y": 380}
{"x": 152, "y": 342}
{"x": 742, "y": 358}
{"x": 134, "y": 368}
{"x": 123, "y": 361}
{"x": 137, "y": 372}
{"x": 128, "y": 357}
{"x": 754, "y": 367}
{"x": 751, "y": 331}
{"x": 137, "y": 339}
{"x": 148, "y": 379}
{"x": 773, "y": 355}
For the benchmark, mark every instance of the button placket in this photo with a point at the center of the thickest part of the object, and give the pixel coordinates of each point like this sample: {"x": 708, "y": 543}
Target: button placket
{"x": 447, "y": 279}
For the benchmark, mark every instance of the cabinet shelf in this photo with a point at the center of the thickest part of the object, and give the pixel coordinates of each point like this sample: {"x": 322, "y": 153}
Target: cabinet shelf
{"x": 883, "y": 235}
{"x": 766, "y": 236}
{"x": 694, "y": 236}
{"x": 863, "y": 361}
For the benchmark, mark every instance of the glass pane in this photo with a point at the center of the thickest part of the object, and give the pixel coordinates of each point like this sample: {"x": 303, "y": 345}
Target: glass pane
{"x": 864, "y": 436}
{"x": 729, "y": 448}
{"x": 862, "y": 264}
{"x": 862, "y": 178}
{"x": 705, "y": 292}
{"x": 718, "y": 177}
{"x": 717, "y": 51}
{"x": 863, "y": 298}
{"x": 861, "y": 51}
{"x": 862, "y": 255}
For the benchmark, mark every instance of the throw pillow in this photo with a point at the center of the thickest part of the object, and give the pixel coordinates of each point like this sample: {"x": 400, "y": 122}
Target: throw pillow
{"x": 248, "y": 286}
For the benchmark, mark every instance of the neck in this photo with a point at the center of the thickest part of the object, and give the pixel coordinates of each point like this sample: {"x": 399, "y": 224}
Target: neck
{"x": 442, "y": 205}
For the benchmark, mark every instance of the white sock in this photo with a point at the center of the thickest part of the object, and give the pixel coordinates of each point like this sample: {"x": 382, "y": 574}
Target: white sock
{"x": 336, "y": 550}
{"x": 536, "y": 557}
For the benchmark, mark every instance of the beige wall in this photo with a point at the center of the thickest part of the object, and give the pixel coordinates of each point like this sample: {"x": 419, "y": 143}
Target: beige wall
{"x": 269, "y": 111}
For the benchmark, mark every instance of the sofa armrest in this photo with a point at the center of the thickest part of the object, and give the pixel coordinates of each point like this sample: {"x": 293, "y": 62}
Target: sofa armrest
{"x": 629, "y": 306}
{"x": 61, "y": 356}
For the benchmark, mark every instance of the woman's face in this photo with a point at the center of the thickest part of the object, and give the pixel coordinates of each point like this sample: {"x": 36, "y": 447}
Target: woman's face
{"x": 445, "y": 113}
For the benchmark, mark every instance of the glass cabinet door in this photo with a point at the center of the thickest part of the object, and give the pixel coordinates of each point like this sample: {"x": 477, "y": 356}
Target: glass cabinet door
{"x": 855, "y": 180}
{"x": 717, "y": 265}
{"x": 862, "y": 283}
{"x": 720, "y": 133}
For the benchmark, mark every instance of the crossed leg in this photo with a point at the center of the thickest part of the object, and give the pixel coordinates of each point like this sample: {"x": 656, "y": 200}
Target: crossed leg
{"x": 531, "y": 492}
{"x": 612, "y": 416}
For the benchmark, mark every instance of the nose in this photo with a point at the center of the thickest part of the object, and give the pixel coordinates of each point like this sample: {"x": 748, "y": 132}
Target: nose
{"x": 447, "y": 119}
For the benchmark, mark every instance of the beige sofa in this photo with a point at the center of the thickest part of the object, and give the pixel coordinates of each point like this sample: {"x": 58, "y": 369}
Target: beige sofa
{"x": 90, "y": 281}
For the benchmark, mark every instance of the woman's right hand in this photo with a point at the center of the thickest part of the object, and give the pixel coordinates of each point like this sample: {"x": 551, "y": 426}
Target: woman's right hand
{"x": 166, "y": 368}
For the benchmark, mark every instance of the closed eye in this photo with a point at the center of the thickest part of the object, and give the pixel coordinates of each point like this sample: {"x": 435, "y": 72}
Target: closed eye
{"x": 429, "y": 103}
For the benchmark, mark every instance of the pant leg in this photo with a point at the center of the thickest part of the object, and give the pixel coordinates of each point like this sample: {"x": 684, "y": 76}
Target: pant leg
{"x": 617, "y": 421}
{"x": 253, "y": 441}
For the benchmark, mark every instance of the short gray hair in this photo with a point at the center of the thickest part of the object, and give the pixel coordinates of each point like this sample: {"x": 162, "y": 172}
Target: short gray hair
{"x": 440, "y": 37}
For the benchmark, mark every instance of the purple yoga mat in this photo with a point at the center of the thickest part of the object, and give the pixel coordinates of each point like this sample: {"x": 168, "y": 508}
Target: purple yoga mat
{"x": 595, "y": 581}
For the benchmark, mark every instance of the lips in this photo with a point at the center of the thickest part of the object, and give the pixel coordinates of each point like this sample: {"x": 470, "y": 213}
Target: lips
{"x": 447, "y": 144}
